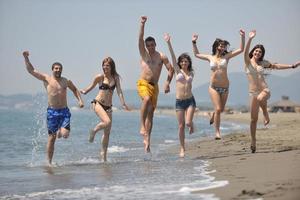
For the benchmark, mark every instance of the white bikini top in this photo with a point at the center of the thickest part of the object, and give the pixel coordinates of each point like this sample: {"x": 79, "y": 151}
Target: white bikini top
{"x": 259, "y": 70}
{"x": 180, "y": 78}
{"x": 222, "y": 64}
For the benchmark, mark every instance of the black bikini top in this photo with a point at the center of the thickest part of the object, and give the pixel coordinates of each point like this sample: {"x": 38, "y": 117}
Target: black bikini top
{"x": 105, "y": 86}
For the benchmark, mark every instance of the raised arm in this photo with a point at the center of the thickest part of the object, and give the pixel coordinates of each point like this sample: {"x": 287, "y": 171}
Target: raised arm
{"x": 196, "y": 51}
{"x": 76, "y": 93}
{"x": 96, "y": 80}
{"x": 284, "y": 66}
{"x": 170, "y": 72}
{"x": 239, "y": 50}
{"x": 174, "y": 61}
{"x": 120, "y": 94}
{"x": 142, "y": 48}
{"x": 252, "y": 34}
{"x": 31, "y": 69}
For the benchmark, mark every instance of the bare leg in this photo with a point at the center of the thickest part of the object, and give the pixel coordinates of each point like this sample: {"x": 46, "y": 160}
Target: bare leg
{"x": 254, "y": 106}
{"x": 50, "y": 147}
{"x": 64, "y": 132}
{"x": 148, "y": 123}
{"x": 144, "y": 112}
{"x": 105, "y": 141}
{"x": 216, "y": 100}
{"x": 212, "y": 118}
{"x": 262, "y": 98}
{"x": 189, "y": 119}
{"x": 181, "y": 124}
{"x": 105, "y": 121}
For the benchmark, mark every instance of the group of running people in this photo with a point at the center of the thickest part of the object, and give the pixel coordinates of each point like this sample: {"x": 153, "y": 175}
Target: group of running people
{"x": 58, "y": 114}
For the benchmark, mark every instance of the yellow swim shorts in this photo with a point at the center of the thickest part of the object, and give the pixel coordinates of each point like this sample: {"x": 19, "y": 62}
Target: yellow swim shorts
{"x": 147, "y": 89}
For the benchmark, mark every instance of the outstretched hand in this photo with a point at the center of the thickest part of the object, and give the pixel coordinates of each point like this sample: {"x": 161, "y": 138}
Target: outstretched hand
{"x": 297, "y": 64}
{"x": 80, "y": 104}
{"x": 26, "y": 54}
{"x": 143, "y": 19}
{"x": 242, "y": 32}
{"x": 83, "y": 92}
{"x": 125, "y": 107}
{"x": 167, "y": 88}
{"x": 194, "y": 37}
{"x": 252, "y": 34}
{"x": 167, "y": 37}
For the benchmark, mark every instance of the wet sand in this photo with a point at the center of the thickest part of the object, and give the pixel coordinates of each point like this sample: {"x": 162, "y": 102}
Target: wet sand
{"x": 273, "y": 172}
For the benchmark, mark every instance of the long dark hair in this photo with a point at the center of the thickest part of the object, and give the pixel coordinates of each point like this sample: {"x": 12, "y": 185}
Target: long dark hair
{"x": 112, "y": 64}
{"x": 217, "y": 42}
{"x": 258, "y": 46}
{"x": 186, "y": 56}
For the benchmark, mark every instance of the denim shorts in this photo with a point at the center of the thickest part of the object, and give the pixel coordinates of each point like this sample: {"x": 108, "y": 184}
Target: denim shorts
{"x": 183, "y": 104}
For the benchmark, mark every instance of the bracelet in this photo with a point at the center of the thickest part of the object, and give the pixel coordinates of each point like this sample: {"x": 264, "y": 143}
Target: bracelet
{"x": 194, "y": 41}
{"x": 293, "y": 66}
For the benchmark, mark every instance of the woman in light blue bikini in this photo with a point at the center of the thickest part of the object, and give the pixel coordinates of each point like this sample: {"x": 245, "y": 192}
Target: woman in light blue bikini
{"x": 219, "y": 83}
{"x": 185, "y": 102}
{"x": 259, "y": 92}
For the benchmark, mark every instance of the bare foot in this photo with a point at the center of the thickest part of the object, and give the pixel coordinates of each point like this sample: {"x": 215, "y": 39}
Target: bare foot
{"x": 103, "y": 156}
{"x": 267, "y": 120}
{"x": 49, "y": 164}
{"x": 142, "y": 130}
{"x": 191, "y": 128}
{"x": 146, "y": 146}
{"x": 92, "y": 134}
{"x": 212, "y": 118}
{"x": 181, "y": 153}
{"x": 218, "y": 136}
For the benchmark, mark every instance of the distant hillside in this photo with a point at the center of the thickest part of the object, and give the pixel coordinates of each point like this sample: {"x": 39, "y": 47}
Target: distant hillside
{"x": 238, "y": 95}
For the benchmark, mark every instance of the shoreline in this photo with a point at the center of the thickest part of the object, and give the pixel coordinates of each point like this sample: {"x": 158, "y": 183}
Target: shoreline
{"x": 270, "y": 173}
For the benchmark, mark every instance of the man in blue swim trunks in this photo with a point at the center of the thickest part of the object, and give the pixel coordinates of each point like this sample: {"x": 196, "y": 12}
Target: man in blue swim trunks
{"x": 58, "y": 114}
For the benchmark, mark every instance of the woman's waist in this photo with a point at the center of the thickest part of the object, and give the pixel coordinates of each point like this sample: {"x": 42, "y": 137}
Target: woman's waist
{"x": 184, "y": 97}
{"x": 104, "y": 100}
{"x": 219, "y": 81}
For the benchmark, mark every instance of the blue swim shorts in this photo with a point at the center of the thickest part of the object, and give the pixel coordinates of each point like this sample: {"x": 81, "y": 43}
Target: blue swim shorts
{"x": 58, "y": 118}
{"x": 183, "y": 104}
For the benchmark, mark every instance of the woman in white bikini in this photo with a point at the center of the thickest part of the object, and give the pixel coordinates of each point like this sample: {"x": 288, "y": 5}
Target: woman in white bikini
{"x": 219, "y": 83}
{"x": 255, "y": 67}
{"x": 185, "y": 102}
{"x": 102, "y": 104}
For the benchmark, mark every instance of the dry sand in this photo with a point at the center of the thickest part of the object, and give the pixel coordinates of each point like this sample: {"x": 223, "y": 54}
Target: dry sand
{"x": 271, "y": 173}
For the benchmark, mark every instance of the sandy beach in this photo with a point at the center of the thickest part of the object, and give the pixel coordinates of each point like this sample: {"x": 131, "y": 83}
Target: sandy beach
{"x": 271, "y": 173}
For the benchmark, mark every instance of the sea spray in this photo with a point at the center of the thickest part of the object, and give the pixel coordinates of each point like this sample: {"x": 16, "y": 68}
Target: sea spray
{"x": 39, "y": 129}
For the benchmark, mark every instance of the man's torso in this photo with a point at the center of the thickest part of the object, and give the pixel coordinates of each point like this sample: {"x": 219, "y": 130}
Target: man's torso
{"x": 57, "y": 92}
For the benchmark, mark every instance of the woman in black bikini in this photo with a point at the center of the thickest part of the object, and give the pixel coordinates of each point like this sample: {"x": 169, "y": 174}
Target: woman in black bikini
{"x": 102, "y": 104}
{"x": 219, "y": 82}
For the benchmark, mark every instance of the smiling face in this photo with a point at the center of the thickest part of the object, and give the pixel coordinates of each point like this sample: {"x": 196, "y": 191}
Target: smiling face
{"x": 106, "y": 68}
{"x": 150, "y": 46}
{"x": 257, "y": 53}
{"x": 184, "y": 63}
{"x": 57, "y": 70}
{"x": 221, "y": 48}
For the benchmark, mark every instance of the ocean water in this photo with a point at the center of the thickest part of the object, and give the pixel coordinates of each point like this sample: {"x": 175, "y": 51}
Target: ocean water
{"x": 78, "y": 173}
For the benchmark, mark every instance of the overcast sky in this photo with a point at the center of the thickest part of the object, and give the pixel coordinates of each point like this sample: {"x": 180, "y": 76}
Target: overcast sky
{"x": 79, "y": 34}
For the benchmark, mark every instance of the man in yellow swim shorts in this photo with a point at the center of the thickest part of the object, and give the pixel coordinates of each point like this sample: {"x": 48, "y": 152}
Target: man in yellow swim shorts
{"x": 151, "y": 63}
